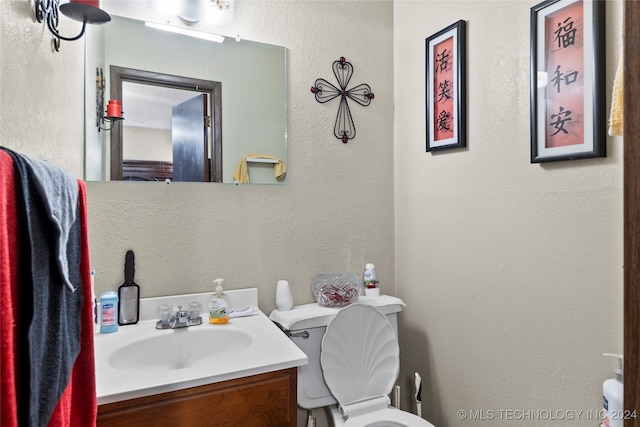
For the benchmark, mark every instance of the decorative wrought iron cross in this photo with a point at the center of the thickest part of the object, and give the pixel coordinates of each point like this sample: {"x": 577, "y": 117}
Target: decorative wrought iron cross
{"x": 324, "y": 91}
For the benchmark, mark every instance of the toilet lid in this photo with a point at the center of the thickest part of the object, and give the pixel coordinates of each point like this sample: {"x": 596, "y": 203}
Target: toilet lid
{"x": 360, "y": 354}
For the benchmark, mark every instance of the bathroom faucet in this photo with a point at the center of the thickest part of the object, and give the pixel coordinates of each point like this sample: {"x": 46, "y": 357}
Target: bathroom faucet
{"x": 179, "y": 319}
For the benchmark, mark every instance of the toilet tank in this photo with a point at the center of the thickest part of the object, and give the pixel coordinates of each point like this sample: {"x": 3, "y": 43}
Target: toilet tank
{"x": 306, "y": 325}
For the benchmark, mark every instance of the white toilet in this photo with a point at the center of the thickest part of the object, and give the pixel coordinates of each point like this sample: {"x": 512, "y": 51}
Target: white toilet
{"x": 354, "y": 361}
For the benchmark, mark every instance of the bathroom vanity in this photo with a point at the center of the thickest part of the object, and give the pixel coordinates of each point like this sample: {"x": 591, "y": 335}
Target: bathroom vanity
{"x": 241, "y": 373}
{"x": 259, "y": 400}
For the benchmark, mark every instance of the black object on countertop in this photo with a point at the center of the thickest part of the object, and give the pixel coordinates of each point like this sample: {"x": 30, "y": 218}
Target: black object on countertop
{"x": 129, "y": 294}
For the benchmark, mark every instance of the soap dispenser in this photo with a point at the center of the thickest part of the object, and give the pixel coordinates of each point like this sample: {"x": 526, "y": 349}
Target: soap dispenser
{"x": 612, "y": 396}
{"x": 219, "y": 305}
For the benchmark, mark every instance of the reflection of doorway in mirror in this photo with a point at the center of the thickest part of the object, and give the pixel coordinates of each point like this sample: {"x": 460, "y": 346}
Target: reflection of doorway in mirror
{"x": 142, "y": 149}
{"x": 147, "y": 130}
{"x": 147, "y": 133}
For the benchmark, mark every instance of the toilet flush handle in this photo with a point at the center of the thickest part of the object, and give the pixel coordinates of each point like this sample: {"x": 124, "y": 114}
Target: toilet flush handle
{"x": 303, "y": 334}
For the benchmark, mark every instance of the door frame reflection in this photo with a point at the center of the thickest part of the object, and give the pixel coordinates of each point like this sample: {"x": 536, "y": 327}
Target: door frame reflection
{"x": 118, "y": 75}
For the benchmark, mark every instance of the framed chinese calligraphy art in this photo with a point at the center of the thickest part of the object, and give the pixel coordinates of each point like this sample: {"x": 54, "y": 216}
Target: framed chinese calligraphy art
{"x": 567, "y": 80}
{"x": 446, "y": 88}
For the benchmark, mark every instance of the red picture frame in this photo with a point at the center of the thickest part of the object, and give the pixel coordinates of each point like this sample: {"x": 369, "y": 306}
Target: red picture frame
{"x": 567, "y": 80}
{"x": 446, "y": 88}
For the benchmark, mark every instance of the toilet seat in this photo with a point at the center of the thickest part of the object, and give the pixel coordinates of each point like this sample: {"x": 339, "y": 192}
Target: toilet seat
{"x": 387, "y": 417}
{"x": 360, "y": 361}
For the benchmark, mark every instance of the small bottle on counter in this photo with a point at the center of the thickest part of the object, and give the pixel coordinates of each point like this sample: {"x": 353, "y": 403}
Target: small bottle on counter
{"x": 370, "y": 280}
{"x": 108, "y": 312}
{"x": 219, "y": 305}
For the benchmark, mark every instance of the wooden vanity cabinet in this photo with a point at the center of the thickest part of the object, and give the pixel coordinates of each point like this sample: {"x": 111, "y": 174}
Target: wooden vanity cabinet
{"x": 264, "y": 400}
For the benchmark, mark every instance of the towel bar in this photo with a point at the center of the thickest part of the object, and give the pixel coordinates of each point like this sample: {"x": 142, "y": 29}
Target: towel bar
{"x": 259, "y": 160}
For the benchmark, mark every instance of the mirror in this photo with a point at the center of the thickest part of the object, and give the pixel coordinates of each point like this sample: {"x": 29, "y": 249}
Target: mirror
{"x": 240, "y": 111}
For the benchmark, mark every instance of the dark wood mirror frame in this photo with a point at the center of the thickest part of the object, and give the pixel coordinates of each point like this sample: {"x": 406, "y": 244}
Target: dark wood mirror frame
{"x": 632, "y": 211}
{"x": 214, "y": 89}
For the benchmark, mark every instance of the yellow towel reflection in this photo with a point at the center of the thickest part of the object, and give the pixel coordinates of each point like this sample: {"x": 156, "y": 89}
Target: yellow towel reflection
{"x": 616, "y": 123}
{"x": 241, "y": 175}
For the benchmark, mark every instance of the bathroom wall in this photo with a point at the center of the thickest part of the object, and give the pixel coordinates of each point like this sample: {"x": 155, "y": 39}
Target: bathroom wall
{"x": 512, "y": 271}
{"x": 41, "y": 98}
{"x": 334, "y": 214}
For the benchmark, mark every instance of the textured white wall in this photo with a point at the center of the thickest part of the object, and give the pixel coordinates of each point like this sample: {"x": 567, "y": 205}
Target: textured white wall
{"x": 512, "y": 271}
{"x": 41, "y": 92}
{"x": 335, "y": 213}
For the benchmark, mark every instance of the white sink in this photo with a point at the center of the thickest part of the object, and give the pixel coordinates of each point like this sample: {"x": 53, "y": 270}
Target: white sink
{"x": 180, "y": 348}
{"x": 140, "y": 360}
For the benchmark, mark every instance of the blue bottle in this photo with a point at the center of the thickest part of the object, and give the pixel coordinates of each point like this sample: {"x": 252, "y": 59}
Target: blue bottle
{"x": 108, "y": 312}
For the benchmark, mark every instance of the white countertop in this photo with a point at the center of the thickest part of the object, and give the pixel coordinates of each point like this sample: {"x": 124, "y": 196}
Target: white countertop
{"x": 270, "y": 350}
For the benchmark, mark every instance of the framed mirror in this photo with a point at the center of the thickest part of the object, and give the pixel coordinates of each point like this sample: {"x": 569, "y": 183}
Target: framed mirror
{"x": 232, "y": 96}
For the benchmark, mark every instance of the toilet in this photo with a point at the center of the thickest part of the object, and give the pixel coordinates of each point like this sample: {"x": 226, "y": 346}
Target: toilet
{"x": 354, "y": 361}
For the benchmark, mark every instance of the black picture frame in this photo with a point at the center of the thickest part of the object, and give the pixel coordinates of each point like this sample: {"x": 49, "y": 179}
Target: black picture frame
{"x": 446, "y": 88}
{"x": 567, "y": 80}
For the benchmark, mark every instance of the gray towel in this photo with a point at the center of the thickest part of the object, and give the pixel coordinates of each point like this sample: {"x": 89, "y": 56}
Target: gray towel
{"x": 58, "y": 191}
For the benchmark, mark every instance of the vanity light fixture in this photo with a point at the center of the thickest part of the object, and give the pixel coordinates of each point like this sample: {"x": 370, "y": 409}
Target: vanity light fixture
{"x": 185, "y": 32}
{"x": 85, "y": 11}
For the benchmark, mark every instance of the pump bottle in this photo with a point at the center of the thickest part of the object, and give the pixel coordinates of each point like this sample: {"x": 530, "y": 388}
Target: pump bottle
{"x": 612, "y": 393}
{"x": 219, "y": 305}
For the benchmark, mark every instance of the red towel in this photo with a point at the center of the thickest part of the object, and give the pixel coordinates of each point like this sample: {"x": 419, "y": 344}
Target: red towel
{"x": 8, "y": 290}
{"x": 78, "y": 404}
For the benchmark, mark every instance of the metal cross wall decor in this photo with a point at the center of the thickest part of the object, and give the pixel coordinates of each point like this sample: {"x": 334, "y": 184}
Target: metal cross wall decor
{"x": 324, "y": 91}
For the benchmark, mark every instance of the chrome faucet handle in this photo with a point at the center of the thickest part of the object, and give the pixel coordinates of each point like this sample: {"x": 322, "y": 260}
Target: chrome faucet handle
{"x": 182, "y": 316}
{"x": 194, "y": 310}
{"x": 165, "y": 313}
